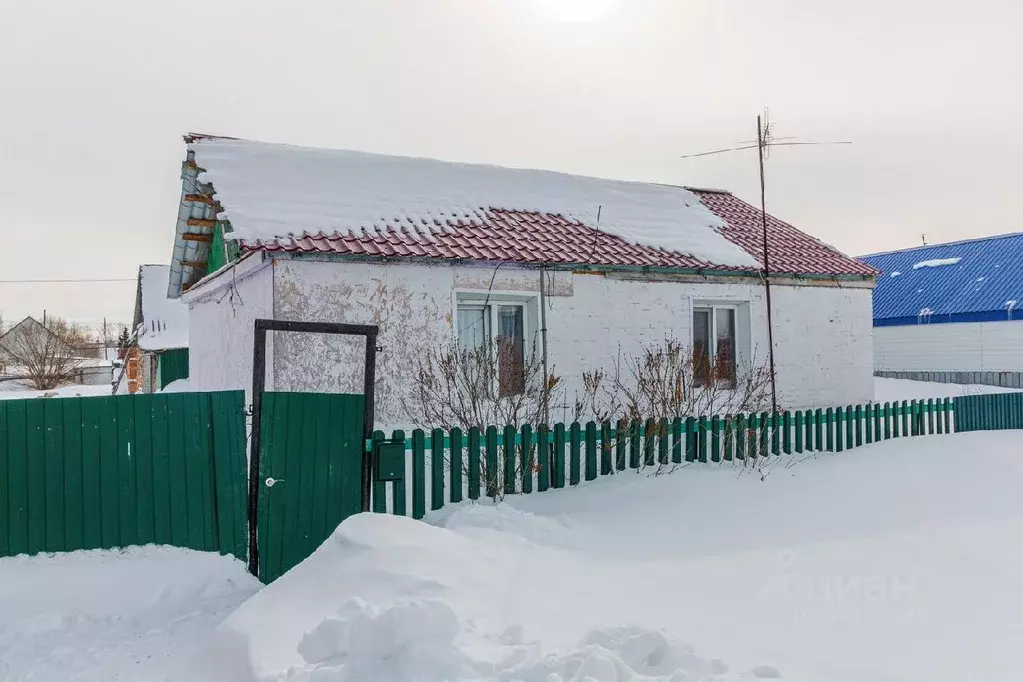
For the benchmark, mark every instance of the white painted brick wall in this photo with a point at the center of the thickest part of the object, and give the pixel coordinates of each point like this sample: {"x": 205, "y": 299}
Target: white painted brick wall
{"x": 955, "y": 347}
{"x": 220, "y": 328}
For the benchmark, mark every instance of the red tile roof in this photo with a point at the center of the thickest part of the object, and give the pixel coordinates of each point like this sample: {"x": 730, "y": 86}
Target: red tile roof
{"x": 530, "y": 237}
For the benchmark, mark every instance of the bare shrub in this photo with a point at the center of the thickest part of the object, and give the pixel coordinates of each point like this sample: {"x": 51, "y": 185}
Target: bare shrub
{"x": 669, "y": 380}
{"x": 493, "y": 384}
{"x": 46, "y": 356}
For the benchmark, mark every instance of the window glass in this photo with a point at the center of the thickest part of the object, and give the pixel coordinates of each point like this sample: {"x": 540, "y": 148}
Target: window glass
{"x": 701, "y": 345}
{"x": 724, "y": 345}
{"x": 511, "y": 349}
{"x": 473, "y": 327}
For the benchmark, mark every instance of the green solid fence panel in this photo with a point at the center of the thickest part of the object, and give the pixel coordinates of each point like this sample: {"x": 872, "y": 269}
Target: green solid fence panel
{"x": 17, "y": 476}
{"x": 419, "y": 470}
{"x": 526, "y": 458}
{"x": 5, "y": 483}
{"x": 456, "y": 461}
{"x": 677, "y": 440}
{"x": 558, "y": 475}
{"x": 142, "y": 453}
{"x": 490, "y": 475}
{"x": 53, "y": 441}
{"x": 509, "y": 459}
{"x": 800, "y": 430}
{"x": 740, "y": 437}
{"x": 649, "y": 436}
{"x": 621, "y": 445}
{"x": 475, "y": 439}
{"x": 37, "y": 480}
{"x": 606, "y": 445}
{"x": 702, "y": 440}
{"x": 728, "y": 426}
{"x": 715, "y": 439}
{"x": 173, "y": 365}
{"x": 437, "y": 469}
{"x": 399, "y": 488}
{"x": 635, "y": 443}
{"x": 574, "y": 453}
{"x": 591, "y": 451}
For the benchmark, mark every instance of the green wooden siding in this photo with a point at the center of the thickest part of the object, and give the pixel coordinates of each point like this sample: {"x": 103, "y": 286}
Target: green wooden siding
{"x": 115, "y": 471}
{"x": 173, "y": 365}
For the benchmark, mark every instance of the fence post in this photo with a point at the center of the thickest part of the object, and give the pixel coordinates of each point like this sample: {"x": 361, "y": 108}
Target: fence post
{"x": 662, "y": 441}
{"x": 799, "y": 431}
{"x": 677, "y": 440}
{"x": 491, "y": 459}
{"x": 591, "y": 451}
{"x": 850, "y": 415}
{"x": 786, "y": 434}
{"x": 475, "y": 437}
{"x": 436, "y": 469}
{"x": 649, "y": 429}
{"x": 542, "y": 461}
{"x": 905, "y": 418}
{"x": 728, "y": 426}
{"x": 620, "y": 444}
{"x": 574, "y": 444}
{"x": 764, "y": 446}
{"x": 399, "y": 505}
{"x": 839, "y": 428}
{"x": 418, "y": 474}
{"x": 818, "y": 428}
{"x": 715, "y": 439}
{"x": 606, "y": 464}
{"x": 456, "y": 464}
{"x": 740, "y": 437}
{"x": 526, "y": 457}
{"x": 556, "y": 467}
{"x": 692, "y": 439}
{"x": 703, "y": 440}
{"x": 830, "y": 420}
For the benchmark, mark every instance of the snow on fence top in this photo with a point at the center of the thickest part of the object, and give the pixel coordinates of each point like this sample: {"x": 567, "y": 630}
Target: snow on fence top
{"x": 164, "y": 320}
{"x": 275, "y": 190}
{"x": 936, "y": 263}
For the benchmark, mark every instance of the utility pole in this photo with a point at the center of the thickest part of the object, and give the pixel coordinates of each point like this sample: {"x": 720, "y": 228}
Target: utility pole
{"x": 765, "y": 140}
{"x": 761, "y": 144}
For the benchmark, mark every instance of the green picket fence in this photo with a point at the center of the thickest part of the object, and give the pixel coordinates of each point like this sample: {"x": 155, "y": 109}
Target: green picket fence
{"x": 115, "y": 471}
{"x": 450, "y": 466}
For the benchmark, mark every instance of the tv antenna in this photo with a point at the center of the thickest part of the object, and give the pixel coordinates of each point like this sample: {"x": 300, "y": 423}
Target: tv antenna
{"x": 763, "y": 144}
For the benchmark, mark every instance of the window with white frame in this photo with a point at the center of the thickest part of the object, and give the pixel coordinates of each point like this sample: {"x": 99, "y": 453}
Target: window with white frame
{"x": 714, "y": 346}
{"x": 500, "y": 326}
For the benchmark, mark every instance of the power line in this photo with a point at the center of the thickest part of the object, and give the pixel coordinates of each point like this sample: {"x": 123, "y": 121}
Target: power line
{"x": 64, "y": 281}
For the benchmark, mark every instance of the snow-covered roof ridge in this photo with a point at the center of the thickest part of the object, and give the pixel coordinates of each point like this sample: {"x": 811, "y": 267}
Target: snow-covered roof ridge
{"x": 271, "y": 190}
{"x": 164, "y": 320}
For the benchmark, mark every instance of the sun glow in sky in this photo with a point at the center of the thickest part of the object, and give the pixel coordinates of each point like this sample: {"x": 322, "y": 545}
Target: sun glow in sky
{"x": 576, "y": 10}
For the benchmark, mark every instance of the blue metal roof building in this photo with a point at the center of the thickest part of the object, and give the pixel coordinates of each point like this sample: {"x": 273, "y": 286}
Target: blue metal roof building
{"x": 979, "y": 280}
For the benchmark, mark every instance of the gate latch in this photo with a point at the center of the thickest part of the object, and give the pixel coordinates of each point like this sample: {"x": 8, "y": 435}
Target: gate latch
{"x": 389, "y": 460}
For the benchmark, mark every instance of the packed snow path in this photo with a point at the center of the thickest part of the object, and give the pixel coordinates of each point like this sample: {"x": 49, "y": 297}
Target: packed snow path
{"x": 894, "y": 562}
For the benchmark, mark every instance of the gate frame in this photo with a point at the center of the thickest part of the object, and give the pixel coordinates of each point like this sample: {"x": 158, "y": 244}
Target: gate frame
{"x": 262, "y": 326}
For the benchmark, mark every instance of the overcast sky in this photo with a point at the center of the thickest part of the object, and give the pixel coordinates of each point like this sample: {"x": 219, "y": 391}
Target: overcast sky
{"x": 94, "y": 98}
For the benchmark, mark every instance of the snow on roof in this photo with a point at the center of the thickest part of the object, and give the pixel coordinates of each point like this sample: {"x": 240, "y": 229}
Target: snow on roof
{"x": 164, "y": 320}
{"x": 965, "y": 281}
{"x": 936, "y": 263}
{"x": 274, "y": 190}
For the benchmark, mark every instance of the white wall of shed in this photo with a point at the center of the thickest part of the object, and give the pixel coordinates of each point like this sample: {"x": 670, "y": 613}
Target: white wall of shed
{"x": 221, "y": 322}
{"x": 823, "y": 335}
{"x": 951, "y": 347}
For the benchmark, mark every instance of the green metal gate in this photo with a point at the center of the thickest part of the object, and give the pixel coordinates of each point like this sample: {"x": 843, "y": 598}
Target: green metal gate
{"x": 310, "y": 474}
{"x": 988, "y": 412}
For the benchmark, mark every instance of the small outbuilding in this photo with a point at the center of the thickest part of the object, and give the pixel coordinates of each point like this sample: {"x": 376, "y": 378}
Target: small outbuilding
{"x": 159, "y": 355}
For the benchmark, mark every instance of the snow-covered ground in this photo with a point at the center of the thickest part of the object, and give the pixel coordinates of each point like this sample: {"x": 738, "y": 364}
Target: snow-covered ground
{"x": 14, "y": 390}
{"x": 123, "y": 615}
{"x": 887, "y": 390}
{"x": 892, "y": 562}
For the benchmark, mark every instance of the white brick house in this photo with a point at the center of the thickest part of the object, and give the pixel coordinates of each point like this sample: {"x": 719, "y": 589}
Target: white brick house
{"x": 432, "y": 251}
